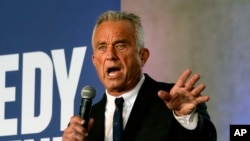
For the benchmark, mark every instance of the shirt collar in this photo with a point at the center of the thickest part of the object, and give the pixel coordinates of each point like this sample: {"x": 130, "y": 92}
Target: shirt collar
{"x": 129, "y": 97}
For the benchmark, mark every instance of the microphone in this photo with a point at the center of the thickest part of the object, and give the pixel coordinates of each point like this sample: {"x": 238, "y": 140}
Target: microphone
{"x": 88, "y": 93}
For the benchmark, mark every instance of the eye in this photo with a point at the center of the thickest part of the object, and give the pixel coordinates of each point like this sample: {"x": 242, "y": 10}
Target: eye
{"x": 101, "y": 47}
{"x": 120, "y": 46}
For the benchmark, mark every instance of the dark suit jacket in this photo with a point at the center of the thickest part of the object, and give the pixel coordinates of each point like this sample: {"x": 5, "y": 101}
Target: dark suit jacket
{"x": 151, "y": 120}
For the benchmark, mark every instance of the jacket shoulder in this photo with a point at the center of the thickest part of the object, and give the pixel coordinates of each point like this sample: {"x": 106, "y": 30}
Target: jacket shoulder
{"x": 156, "y": 85}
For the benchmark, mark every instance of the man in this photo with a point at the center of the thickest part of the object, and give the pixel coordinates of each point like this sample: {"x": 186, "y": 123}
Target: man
{"x": 152, "y": 111}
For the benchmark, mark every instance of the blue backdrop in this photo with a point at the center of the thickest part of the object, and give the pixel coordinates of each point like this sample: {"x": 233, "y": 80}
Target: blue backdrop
{"x": 45, "y": 60}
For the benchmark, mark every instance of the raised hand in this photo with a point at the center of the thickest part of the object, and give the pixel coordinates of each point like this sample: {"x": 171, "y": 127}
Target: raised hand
{"x": 184, "y": 96}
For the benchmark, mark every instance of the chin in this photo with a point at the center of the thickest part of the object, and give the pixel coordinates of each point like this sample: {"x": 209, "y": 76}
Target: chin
{"x": 113, "y": 87}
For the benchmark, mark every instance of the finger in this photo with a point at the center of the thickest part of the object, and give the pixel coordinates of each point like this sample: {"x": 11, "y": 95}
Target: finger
{"x": 183, "y": 78}
{"x": 72, "y": 133}
{"x": 76, "y": 120}
{"x": 202, "y": 99}
{"x": 78, "y": 136}
{"x": 164, "y": 95}
{"x": 192, "y": 81}
{"x": 197, "y": 90}
{"x": 77, "y": 129}
{"x": 81, "y": 133}
{"x": 76, "y": 126}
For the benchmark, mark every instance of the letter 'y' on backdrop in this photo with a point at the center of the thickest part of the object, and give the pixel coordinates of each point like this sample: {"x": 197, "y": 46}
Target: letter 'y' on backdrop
{"x": 45, "y": 60}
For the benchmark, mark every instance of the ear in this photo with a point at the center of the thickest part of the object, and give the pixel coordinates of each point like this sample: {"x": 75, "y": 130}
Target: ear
{"x": 144, "y": 55}
{"x": 93, "y": 59}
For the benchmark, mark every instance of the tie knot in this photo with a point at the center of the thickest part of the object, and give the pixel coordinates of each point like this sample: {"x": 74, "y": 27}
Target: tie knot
{"x": 119, "y": 102}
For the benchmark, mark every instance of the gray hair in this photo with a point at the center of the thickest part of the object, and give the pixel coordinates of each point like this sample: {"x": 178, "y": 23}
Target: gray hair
{"x": 118, "y": 16}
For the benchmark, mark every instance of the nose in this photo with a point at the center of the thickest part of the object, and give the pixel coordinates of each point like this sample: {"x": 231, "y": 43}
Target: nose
{"x": 111, "y": 53}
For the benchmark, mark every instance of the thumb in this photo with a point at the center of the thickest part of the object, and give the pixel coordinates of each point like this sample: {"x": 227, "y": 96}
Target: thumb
{"x": 90, "y": 124}
{"x": 164, "y": 95}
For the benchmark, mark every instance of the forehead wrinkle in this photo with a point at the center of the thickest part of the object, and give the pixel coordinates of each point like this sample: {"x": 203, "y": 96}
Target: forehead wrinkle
{"x": 122, "y": 40}
{"x": 112, "y": 40}
{"x": 103, "y": 39}
{"x": 112, "y": 35}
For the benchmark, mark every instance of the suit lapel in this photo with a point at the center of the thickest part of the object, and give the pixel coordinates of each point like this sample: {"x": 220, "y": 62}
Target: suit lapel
{"x": 147, "y": 97}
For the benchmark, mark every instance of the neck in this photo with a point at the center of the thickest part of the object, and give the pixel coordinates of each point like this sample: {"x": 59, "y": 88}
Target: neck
{"x": 121, "y": 91}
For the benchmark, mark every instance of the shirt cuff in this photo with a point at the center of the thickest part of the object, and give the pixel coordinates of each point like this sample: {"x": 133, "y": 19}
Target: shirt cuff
{"x": 188, "y": 121}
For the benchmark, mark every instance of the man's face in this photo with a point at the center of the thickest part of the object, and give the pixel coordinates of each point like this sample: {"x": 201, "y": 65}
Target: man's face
{"x": 116, "y": 58}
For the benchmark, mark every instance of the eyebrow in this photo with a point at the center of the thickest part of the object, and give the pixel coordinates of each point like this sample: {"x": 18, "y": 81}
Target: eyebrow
{"x": 101, "y": 43}
{"x": 115, "y": 42}
{"x": 120, "y": 41}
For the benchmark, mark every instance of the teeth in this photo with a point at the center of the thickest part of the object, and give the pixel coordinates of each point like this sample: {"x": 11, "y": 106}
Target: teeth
{"x": 112, "y": 73}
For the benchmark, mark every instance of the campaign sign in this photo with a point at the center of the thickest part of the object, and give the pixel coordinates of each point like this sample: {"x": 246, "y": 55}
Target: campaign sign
{"x": 45, "y": 61}
{"x": 239, "y": 132}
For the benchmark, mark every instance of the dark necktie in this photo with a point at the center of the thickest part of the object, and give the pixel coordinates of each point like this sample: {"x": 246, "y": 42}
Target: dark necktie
{"x": 117, "y": 120}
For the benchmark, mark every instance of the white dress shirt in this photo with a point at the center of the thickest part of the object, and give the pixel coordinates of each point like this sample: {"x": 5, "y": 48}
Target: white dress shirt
{"x": 188, "y": 121}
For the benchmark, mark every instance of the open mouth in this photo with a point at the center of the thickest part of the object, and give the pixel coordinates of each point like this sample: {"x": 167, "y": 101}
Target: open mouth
{"x": 113, "y": 71}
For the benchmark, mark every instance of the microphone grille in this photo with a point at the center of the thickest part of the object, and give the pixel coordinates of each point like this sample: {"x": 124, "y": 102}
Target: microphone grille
{"x": 88, "y": 92}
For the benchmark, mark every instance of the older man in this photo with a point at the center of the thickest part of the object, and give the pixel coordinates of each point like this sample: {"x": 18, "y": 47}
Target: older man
{"x": 151, "y": 111}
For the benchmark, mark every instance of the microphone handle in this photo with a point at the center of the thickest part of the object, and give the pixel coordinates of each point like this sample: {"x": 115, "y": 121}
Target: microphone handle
{"x": 85, "y": 109}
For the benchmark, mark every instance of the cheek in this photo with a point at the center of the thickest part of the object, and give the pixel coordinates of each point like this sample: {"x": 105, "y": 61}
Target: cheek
{"x": 98, "y": 64}
{"x": 134, "y": 64}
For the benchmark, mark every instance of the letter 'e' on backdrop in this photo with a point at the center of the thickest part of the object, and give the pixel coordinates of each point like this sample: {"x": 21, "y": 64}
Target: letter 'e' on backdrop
{"x": 45, "y": 60}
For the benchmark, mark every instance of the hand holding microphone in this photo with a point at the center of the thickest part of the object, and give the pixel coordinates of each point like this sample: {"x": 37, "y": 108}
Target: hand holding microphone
{"x": 88, "y": 93}
{"x": 78, "y": 129}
